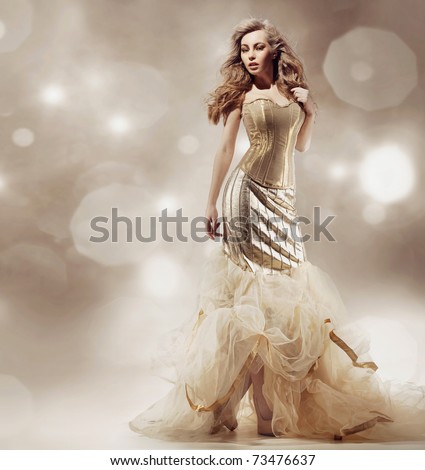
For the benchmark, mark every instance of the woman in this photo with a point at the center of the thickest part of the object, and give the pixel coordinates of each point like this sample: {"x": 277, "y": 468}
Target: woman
{"x": 267, "y": 317}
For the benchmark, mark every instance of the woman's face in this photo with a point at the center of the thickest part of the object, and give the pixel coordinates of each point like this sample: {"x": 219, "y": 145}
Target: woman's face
{"x": 256, "y": 52}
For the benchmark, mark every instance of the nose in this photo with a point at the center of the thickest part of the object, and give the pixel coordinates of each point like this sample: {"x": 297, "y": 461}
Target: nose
{"x": 251, "y": 56}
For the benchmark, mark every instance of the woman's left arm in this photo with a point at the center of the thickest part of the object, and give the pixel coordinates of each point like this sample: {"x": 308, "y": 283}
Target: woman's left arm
{"x": 306, "y": 131}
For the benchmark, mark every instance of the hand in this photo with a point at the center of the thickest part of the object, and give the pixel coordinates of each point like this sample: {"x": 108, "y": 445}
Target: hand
{"x": 303, "y": 96}
{"x": 212, "y": 225}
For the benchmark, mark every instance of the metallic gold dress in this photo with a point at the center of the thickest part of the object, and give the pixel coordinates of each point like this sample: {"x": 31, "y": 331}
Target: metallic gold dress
{"x": 261, "y": 302}
{"x": 260, "y": 226}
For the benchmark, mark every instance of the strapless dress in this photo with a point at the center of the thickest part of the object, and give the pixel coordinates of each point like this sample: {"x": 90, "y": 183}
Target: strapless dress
{"x": 261, "y": 300}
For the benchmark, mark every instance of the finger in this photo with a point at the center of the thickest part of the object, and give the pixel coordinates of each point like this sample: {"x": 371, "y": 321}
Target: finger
{"x": 209, "y": 230}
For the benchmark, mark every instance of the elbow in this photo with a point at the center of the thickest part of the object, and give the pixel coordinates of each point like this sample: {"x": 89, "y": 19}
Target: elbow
{"x": 302, "y": 145}
{"x": 302, "y": 149}
{"x": 227, "y": 153}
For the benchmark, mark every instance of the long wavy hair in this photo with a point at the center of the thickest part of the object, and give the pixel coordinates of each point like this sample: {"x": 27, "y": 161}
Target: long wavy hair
{"x": 288, "y": 70}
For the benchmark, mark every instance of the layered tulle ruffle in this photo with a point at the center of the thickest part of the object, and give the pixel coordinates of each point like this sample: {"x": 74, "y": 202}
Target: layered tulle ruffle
{"x": 318, "y": 377}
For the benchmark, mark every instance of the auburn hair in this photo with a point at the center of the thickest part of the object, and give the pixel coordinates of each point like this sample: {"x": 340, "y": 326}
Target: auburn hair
{"x": 288, "y": 70}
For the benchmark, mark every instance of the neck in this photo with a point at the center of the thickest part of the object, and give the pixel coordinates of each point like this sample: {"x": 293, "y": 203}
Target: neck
{"x": 264, "y": 81}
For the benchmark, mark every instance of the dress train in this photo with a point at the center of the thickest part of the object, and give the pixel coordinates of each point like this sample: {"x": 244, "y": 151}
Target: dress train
{"x": 318, "y": 377}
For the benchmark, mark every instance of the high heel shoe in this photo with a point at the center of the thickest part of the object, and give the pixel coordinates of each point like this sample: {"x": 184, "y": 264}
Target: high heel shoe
{"x": 227, "y": 417}
{"x": 220, "y": 419}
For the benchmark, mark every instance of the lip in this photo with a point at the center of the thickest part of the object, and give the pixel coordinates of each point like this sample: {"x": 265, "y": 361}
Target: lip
{"x": 253, "y": 64}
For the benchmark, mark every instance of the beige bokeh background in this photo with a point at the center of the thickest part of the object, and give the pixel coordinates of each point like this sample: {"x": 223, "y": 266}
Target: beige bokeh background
{"x": 101, "y": 107}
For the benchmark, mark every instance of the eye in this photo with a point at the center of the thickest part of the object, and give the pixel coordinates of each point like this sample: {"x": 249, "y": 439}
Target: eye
{"x": 260, "y": 48}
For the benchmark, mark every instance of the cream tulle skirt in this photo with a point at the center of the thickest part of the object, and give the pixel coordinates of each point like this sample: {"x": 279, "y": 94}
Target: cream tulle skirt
{"x": 318, "y": 378}
{"x": 280, "y": 311}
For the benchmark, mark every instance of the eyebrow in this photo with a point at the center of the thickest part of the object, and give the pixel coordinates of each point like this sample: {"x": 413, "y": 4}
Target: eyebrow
{"x": 261, "y": 42}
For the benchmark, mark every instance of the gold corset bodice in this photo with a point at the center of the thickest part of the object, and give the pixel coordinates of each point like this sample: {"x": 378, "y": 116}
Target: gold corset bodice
{"x": 272, "y": 132}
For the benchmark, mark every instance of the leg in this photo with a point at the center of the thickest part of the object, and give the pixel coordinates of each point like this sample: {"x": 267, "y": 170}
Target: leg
{"x": 264, "y": 413}
{"x": 225, "y": 414}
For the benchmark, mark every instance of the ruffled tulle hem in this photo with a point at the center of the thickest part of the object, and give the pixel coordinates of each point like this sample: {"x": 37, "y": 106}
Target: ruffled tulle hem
{"x": 319, "y": 380}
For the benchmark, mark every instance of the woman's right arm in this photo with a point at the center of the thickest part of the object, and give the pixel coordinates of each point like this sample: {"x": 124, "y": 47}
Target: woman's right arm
{"x": 222, "y": 161}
